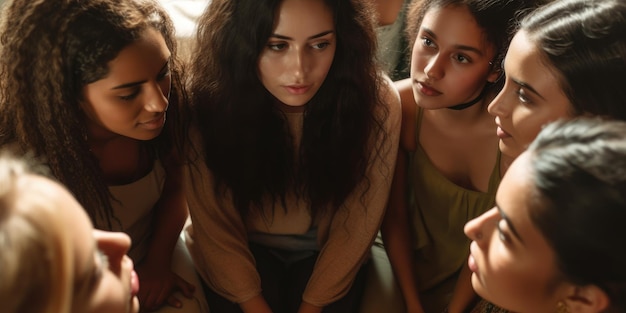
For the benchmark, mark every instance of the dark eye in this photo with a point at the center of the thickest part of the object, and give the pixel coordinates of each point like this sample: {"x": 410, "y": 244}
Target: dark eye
{"x": 276, "y": 46}
{"x": 501, "y": 234}
{"x": 321, "y": 45}
{"x": 427, "y": 42}
{"x": 461, "y": 58}
{"x": 521, "y": 95}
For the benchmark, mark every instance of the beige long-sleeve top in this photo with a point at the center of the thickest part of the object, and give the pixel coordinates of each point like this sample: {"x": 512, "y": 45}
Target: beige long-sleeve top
{"x": 218, "y": 235}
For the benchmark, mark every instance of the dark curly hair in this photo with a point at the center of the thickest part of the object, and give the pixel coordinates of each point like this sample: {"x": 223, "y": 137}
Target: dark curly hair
{"x": 49, "y": 51}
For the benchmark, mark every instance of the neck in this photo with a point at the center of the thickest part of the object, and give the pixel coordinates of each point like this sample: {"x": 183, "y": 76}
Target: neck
{"x": 505, "y": 162}
{"x": 466, "y": 105}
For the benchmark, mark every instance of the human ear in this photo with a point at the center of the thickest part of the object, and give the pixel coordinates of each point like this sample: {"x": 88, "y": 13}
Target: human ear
{"x": 494, "y": 74}
{"x": 588, "y": 299}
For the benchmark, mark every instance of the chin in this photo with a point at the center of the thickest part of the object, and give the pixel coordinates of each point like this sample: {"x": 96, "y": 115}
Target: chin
{"x": 507, "y": 150}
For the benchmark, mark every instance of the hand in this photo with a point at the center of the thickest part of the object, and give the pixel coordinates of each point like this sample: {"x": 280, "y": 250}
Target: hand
{"x": 158, "y": 286}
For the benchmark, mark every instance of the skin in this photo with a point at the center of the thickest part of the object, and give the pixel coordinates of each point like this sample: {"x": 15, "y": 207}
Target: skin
{"x": 449, "y": 66}
{"x": 299, "y": 53}
{"x": 448, "y": 56}
{"x": 132, "y": 99}
{"x": 531, "y": 97}
{"x": 292, "y": 67}
{"x": 123, "y": 109}
{"x": 513, "y": 266}
{"x": 110, "y": 283}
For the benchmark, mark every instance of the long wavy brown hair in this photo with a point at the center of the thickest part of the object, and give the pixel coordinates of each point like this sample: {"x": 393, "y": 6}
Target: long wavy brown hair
{"x": 248, "y": 146}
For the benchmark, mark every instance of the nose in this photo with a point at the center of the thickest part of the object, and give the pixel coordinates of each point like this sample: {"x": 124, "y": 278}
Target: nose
{"x": 158, "y": 95}
{"x": 114, "y": 245}
{"x": 299, "y": 63}
{"x": 434, "y": 67}
{"x": 480, "y": 228}
{"x": 498, "y": 106}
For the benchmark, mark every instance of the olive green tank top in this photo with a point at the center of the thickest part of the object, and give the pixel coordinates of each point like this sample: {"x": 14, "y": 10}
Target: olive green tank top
{"x": 439, "y": 210}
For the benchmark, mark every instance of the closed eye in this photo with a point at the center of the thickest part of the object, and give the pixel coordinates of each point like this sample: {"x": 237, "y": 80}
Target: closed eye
{"x": 132, "y": 95}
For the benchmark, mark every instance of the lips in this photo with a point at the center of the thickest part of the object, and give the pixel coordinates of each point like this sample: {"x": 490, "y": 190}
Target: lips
{"x": 134, "y": 283}
{"x": 155, "y": 123}
{"x": 426, "y": 89}
{"x": 155, "y": 120}
{"x": 471, "y": 261}
{"x": 297, "y": 89}
{"x": 501, "y": 133}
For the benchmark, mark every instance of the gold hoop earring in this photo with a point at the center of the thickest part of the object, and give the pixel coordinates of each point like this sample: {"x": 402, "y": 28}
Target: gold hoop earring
{"x": 561, "y": 307}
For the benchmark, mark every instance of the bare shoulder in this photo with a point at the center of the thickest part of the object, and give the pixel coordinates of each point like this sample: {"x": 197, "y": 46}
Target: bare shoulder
{"x": 409, "y": 111}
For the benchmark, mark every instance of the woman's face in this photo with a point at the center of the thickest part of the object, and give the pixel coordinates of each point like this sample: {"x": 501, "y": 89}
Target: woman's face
{"x": 513, "y": 266}
{"x": 531, "y": 97}
{"x": 132, "y": 99}
{"x": 450, "y": 59}
{"x": 299, "y": 53}
{"x": 104, "y": 278}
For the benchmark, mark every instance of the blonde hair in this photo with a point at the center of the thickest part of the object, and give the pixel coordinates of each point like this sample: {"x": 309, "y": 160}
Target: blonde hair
{"x": 36, "y": 263}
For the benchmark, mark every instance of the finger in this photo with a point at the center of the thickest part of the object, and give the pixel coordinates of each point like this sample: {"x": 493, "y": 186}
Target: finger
{"x": 185, "y": 288}
{"x": 174, "y": 302}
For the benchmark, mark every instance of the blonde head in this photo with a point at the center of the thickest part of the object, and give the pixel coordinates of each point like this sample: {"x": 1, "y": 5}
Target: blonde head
{"x": 36, "y": 261}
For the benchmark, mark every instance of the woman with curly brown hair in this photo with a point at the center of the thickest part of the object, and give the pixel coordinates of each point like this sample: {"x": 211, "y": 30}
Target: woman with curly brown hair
{"x": 297, "y": 133}
{"x": 87, "y": 86}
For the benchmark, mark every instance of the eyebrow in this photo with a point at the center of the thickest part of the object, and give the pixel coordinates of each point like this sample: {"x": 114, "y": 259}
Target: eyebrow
{"x": 460, "y": 47}
{"x": 133, "y": 84}
{"x": 508, "y": 222}
{"x": 527, "y": 86}
{"x": 311, "y": 37}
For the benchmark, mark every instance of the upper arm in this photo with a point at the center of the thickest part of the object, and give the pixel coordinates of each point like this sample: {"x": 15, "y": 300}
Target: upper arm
{"x": 409, "y": 113}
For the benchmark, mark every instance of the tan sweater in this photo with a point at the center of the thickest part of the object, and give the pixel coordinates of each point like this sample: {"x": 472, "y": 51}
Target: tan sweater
{"x": 218, "y": 235}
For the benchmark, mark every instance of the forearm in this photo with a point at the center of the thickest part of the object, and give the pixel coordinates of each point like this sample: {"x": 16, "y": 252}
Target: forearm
{"x": 397, "y": 238}
{"x": 255, "y": 305}
{"x": 463, "y": 294}
{"x": 170, "y": 215}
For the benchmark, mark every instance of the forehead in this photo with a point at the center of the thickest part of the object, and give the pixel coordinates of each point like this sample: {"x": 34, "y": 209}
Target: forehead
{"x": 524, "y": 61}
{"x": 68, "y": 213}
{"x": 296, "y": 18}
{"x": 516, "y": 195}
{"x": 141, "y": 59}
{"x": 455, "y": 24}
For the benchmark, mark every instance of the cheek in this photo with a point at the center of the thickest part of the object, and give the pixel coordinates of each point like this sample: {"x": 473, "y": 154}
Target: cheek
{"x": 527, "y": 123}
{"x": 268, "y": 69}
{"x": 467, "y": 81}
{"x": 514, "y": 283}
{"x": 111, "y": 296}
